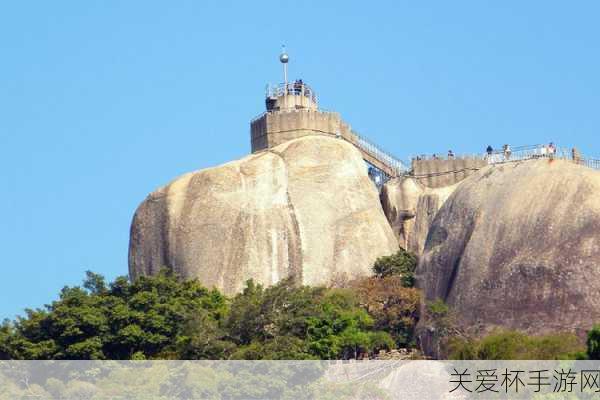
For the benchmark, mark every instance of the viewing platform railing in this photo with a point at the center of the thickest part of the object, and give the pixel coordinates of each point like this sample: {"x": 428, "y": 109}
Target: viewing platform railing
{"x": 589, "y": 162}
{"x": 521, "y": 153}
{"x": 291, "y": 88}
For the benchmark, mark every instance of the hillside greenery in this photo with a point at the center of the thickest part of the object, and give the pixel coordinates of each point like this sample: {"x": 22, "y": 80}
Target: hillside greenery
{"x": 513, "y": 345}
{"x": 163, "y": 317}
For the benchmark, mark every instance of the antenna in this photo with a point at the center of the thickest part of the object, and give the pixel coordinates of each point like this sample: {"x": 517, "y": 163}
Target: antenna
{"x": 284, "y": 58}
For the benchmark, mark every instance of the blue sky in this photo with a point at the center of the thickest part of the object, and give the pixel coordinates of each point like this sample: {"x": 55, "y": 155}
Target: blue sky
{"x": 103, "y": 101}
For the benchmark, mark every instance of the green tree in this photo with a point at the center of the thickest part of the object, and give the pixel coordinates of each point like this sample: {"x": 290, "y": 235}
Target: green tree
{"x": 437, "y": 327}
{"x": 202, "y": 338}
{"x": 279, "y": 348}
{"x": 593, "y": 343}
{"x": 287, "y": 320}
{"x": 401, "y": 263}
{"x": 394, "y": 307}
{"x": 145, "y": 318}
{"x": 162, "y": 317}
{"x": 343, "y": 329}
{"x": 6, "y": 337}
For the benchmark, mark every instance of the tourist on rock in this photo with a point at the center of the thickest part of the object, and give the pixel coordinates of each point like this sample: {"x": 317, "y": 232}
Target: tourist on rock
{"x": 488, "y": 156}
{"x": 297, "y": 87}
{"x": 507, "y": 151}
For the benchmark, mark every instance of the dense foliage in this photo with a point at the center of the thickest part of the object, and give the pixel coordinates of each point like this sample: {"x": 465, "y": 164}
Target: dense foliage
{"x": 401, "y": 264}
{"x": 593, "y": 343}
{"x": 162, "y": 317}
{"x": 122, "y": 320}
{"x": 513, "y": 345}
{"x": 393, "y": 306}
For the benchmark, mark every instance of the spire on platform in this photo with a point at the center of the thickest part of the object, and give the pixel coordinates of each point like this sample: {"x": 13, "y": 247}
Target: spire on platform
{"x": 284, "y": 58}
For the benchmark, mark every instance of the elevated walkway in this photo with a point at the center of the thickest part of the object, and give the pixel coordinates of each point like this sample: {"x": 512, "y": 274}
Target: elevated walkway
{"x": 292, "y": 111}
{"x": 438, "y": 171}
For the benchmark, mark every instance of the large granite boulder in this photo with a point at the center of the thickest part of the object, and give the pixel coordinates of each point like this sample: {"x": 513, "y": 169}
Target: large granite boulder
{"x": 518, "y": 246}
{"x": 410, "y": 208}
{"x": 305, "y": 209}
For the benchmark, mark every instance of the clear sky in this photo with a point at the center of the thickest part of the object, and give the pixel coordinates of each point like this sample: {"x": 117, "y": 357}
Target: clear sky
{"x": 103, "y": 101}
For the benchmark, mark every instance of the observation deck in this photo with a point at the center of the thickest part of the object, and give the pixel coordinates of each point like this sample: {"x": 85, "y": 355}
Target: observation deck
{"x": 292, "y": 111}
{"x": 294, "y": 95}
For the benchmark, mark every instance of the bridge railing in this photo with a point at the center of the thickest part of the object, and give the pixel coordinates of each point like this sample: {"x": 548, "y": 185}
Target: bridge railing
{"x": 376, "y": 152}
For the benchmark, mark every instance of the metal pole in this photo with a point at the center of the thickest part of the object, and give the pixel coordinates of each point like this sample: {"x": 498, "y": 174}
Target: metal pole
{"x": 285, "y": 86}
{"x": 284, "y": 60}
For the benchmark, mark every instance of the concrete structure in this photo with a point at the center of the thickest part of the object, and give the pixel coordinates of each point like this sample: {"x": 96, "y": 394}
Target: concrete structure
{"x": 293, "y": 116}
{"x": 292, "y": 112}
{"x": 437, "y": 173}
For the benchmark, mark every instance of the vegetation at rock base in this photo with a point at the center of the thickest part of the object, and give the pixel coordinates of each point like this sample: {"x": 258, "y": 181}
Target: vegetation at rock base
{"x": 394, "y": 307}
{"x": 121, "y": 320}
{"x": 162, "y": 317}
{"x": 401, "y": 264}
{"x": 513, "y": 345}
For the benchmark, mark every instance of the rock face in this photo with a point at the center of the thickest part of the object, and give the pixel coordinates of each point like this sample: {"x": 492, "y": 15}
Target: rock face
{"x": 518, "y": 246}
{"x": 410, "y": 208}
{"x": 305, "y": 209}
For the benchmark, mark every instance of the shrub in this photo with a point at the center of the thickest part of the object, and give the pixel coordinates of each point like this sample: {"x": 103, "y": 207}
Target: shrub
{"x": 593, "y": 343}
{"x": 394, "y": 307}
{"x": 514, "y": 345}
{"x": 401, "y": 264}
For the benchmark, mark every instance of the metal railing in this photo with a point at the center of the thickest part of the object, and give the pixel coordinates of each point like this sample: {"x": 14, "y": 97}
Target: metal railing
{"x": 376, "y": 152}
{"x": 291, "y": 88}
{"x": 440, "y": 156}
{"x": 521, "y": 153}
{"x": 528, "y": 153}
{"x": 516, "y": 154}
{"x": 589, "y": 162}
{"x": 357, "y": 140}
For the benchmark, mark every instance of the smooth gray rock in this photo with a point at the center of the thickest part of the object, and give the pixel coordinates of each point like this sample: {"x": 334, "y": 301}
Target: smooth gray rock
{"x": 410, "y": 208}
{"x": 518, "y": 246}
{"x": 305, "y": 209}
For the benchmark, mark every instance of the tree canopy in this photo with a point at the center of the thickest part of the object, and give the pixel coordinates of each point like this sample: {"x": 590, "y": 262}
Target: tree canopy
{"x": 163, "y": 317}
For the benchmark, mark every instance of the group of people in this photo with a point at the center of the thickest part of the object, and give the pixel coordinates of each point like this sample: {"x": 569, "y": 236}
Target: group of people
{"x": 544, "y": 151}
{"x": 296, "y": 87}
{"x": 504, "y": 154}
{"x": 506, "y": 151}
{"x": 549, "y": 150}
{"x": 435, "y": 156}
